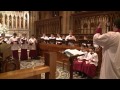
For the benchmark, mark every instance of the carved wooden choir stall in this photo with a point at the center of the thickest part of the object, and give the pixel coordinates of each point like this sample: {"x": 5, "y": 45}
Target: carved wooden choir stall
{"x": 6, "y": 62}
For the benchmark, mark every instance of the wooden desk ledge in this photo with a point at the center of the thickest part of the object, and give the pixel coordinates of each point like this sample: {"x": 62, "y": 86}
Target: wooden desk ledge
{"x": 25, "y": 73}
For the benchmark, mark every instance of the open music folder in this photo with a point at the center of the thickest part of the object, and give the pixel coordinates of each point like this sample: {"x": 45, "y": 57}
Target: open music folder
{"x": 73, "y": 52}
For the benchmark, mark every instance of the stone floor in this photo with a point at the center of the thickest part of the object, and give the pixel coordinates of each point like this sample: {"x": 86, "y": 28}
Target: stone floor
{"x": 60, "y": 73}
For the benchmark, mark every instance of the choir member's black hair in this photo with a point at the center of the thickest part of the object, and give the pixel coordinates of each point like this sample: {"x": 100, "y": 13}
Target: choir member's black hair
{"x": 117, "y": 23}
{"x": 93, "y": 48}
{"x": 24, "y": 33}
{"x": 15, "y": 34}
{"x": 32, "y": 35}
{"x": 83, "y": 45}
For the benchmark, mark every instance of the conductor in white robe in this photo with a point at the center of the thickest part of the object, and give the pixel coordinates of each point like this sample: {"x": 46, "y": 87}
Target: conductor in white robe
{"x": 110, "y": 41}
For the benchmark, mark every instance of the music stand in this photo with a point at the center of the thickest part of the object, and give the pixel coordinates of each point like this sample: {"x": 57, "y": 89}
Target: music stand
{"x": 70, "y": 41}
{"x": 52, "y": 41}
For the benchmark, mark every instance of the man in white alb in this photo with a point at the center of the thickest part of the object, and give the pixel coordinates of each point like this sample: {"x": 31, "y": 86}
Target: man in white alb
{"x": 110, "y": 41}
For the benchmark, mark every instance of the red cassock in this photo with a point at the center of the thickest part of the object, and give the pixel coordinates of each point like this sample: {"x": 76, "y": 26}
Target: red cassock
{"x": 15, "y": 52}
{"x": 24, "y": 55}
{"x": 85, "y": 67}
{"x": 82, "y": 66}
{"x": 33, "y": 54}
{"x": 14, "y": 46}
{"x": 89, "y": 69}
{"x": 77, "y": 66}
{"x": 32, "y": 46}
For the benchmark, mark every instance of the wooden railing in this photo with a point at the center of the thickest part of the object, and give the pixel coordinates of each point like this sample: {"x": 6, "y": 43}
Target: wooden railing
{"x": 34, "y": 73}
{"x": 25, "y": 73}
{"x": 60, "y": 56}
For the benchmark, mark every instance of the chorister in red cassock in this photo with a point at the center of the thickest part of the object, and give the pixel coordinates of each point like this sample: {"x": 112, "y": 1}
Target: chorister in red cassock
{"x": 14, "y": 41}
{"x": 32, "y": 47}
{"x": 24, "y": 47}
{"x": 90, "y": 65}
{"x": 77, "y": 65}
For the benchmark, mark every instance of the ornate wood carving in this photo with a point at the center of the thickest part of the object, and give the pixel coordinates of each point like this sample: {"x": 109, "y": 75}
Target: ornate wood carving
{"x": 9, "y": 65}
{"x": 86, "y": 22}
{"x": 48, "y": 26}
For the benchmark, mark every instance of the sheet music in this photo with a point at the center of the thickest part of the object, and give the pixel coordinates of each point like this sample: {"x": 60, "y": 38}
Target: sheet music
{"x": 73, "y": 52}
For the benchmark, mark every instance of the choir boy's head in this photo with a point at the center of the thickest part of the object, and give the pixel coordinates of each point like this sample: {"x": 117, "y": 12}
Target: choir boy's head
{"x": 58, "y": 35}
{"x": 52, "y": 35}
{"x": 63, "y": 36}
{"x": 82, "y": 47}
{"x": 44, "y": 34}
{"x": 116, "y": 25}
{"x": 24, "y": 34}
{"x": 14, "y": 34}
{"x": 85, "y": 37}
{"x": 71, "y": 33}
{"x": 32, "y": 36}
{"x": 91, "y": 49}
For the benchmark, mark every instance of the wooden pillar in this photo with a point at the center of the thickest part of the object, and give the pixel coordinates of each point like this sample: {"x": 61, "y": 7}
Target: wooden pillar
{"x": 50, "y": 60}
{"x": 64, "y": 21}
{"x": 71, "y": 67}
{"x": 33, "y": 18}
{"x": 71, "y": 21}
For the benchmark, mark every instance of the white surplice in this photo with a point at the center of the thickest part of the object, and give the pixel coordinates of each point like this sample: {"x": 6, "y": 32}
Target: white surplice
{"x": 110, "y": 68}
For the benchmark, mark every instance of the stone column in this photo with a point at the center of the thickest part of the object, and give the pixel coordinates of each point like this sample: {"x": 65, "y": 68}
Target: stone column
{"x": 24, "y": 19}
{"x": 3, "y": 19}
{"x": 8, "y": 20}
{"x": 16, "y": 21}
{"x": 12, "y": 21}
{"x": 31, "y": 16}
{"x": 28, "y": 18}
{"x": 20, "y": 22}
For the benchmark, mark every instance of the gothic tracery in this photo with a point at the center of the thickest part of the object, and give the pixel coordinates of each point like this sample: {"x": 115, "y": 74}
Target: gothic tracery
{"x": 16, "y": 21}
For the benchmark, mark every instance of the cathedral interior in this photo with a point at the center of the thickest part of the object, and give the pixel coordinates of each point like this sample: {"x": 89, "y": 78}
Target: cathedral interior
{"x": 38, "y": 22}
{"x": 50, "y": 60}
